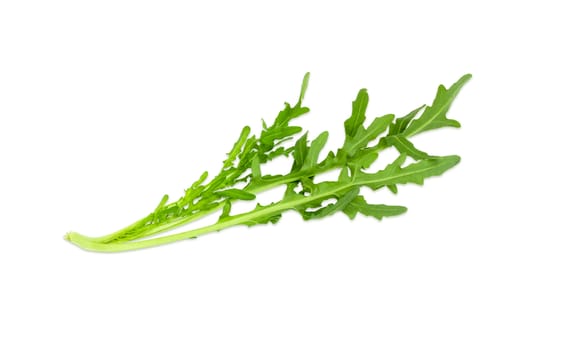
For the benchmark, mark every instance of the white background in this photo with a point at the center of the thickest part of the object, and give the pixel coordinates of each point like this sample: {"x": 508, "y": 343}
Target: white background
{"x": 107, "y": 105}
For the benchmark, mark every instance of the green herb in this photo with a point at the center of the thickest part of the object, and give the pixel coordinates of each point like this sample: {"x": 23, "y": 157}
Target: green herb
{"x": 241, "y": 177}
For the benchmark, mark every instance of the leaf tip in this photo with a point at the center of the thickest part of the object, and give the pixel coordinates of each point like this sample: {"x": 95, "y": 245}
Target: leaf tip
{"x": 304, "y": 86}
{"x": 464, "y": 79}
{"x": 452, "y": 160}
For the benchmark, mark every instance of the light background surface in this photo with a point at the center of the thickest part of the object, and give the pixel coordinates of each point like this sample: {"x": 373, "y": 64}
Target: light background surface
{"x": 107, "y": 105}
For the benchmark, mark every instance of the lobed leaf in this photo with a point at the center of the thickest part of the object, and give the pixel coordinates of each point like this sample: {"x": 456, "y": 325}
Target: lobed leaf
{"x": 236, "y": 147}
{"x": 235, "y": 193}
{"x": 401, "y": 124}
{"x": 405, "y": 146}
{"x": 269, "y": 136}
{"x": 356, "y": 120}
{"x": 378, "y": 211}
{"x": 341, "y": 203}
{"x": 434, "y": 116}
{"x": 300, "y": 151}
{"x": 394, "y": 174}
{"x": 363, "y": 136}
{"x": 315, "y": 149}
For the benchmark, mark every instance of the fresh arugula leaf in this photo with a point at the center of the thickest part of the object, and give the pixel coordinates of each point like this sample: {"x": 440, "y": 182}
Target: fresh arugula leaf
{"x": 405, "y": 146}
{"x": 236, "y": 148}
{"x": 356, "y": 120}
{"x": 401, "y": 124}
{"x": 415, "y": 173}
{"x": 363, "y": 136}
{"x": 378, "y": 211}
{"x": 313, "y": 153}
{"x": 434, "y": 116}
{"x": 303, "y": 193}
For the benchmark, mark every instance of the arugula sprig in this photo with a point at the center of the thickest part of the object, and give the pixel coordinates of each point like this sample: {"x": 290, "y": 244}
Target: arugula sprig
{"x": 241, "y": 177}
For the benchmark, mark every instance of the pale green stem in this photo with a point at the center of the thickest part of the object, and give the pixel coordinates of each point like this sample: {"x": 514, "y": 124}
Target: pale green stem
{"x": 105, "y": 244}
{"x": 86, "y": 243}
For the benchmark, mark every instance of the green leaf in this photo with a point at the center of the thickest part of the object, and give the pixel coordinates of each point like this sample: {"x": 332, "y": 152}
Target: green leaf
{"x": 304, "y": 86}
{"x": 366, "y": 157}
{"x": 236, "y": 147}
{"x": 195, "y": 190}
{"x": 344, "y": 176}
{"x": 256, "y": 172}
{"x": 394, "y": 174}
{"x": 405, "y": 146}
{"x": 217, "y": 182}
{"x": 300, "y": 151}
{"x": 266, "y": 218}
{"x": 162, "y": 203}
{"x": 280, "y": 151}
{"x": 356, "y": 120}
{"x": 201, "y": 179}
{"x": 307, "y": 184}
{"x": 363, "y": 136}
{"x": 268, "y": 137}
{"x": 401, "y": 124}
{"x": 303, "y": 190}
{"x": 315, "y": 149}
{"x": 393, "y": 188}
{"x": 226, "y": 211}
{"x": 330, "y": 209}
{"x": 363, "y": 160}
{"x": 378, "y": 211}
{"x": 235, "y": 193}
{"x": 328, "y": 163}
{"x": 434, "y": 116}
{"x": 248, "y": 151}
{"x": 287, "y": 114}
